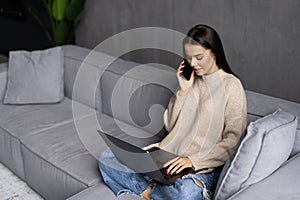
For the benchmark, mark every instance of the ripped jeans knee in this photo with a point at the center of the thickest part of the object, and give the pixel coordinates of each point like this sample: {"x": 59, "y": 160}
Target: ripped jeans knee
{"x": 200, "y": 182}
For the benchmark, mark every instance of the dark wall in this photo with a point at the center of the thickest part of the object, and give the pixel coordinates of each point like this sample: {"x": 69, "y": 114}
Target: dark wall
{"x": 18, "y": 29}
{"x": 260, "y": 37}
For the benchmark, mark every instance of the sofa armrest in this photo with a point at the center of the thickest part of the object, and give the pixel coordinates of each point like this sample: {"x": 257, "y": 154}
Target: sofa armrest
{"x": 284, "y": 183}
{"x": 3, "y": 79}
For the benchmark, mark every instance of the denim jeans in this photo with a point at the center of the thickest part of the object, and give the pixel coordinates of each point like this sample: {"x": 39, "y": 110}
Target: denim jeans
{"x": 123, "y": 180}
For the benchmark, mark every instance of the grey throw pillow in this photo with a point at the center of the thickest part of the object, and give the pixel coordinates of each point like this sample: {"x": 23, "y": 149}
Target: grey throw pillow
{"x": 267, "y": 144}
{"x": 35, "y": 77}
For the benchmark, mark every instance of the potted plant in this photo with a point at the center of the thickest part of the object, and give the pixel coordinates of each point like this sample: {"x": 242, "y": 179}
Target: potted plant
{"x": 61, "y": 22}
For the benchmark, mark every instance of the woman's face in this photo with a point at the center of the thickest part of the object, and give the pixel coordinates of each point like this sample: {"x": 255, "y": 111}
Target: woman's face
{"x": 202, "y": 60}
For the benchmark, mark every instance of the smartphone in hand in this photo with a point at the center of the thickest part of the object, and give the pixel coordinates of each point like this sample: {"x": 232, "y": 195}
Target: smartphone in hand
{"x": 187, "y": 70}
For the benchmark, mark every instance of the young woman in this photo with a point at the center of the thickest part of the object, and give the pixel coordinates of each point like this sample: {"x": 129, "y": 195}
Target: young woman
{"x": 205, "y": 120}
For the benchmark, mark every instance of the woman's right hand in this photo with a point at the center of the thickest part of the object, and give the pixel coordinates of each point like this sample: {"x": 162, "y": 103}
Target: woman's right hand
{"x": 184, "y": 85}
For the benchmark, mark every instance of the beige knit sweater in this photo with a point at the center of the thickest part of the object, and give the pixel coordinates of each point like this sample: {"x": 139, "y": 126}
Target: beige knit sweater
{"x": 206, "y": 124}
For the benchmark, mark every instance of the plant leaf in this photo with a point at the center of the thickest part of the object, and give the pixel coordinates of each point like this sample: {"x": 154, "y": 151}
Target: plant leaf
{"x": 61, "y": 32}
{"x": 59, "y": 9}
{"x": 73, "y": 9}
{"x": 48, "y": 4}
{"x": 42, "y": 22}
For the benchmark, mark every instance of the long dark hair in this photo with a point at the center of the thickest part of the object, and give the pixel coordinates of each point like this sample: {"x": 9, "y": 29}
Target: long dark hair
{"x": 208, "y": 38}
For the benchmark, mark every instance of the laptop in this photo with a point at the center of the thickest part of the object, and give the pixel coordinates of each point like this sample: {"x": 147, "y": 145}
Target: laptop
{"x": 148, "y": 162}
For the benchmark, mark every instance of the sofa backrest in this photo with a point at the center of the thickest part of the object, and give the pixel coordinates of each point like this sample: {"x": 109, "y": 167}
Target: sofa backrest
{"x": 84, "y": 67}
{"x": 127, "y": 91}
{"x": 73, "y": 58}
{"x": 131, "y": 92}
{"x": 137, "y": 94}
{"x": 3, "y": 79}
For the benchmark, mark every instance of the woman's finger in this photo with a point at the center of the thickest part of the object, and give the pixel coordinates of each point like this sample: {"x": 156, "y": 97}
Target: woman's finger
{"x": 173, "y": 165}
{"x": 178, "y": 165}
{"x": 180, "y": 69}
{"x": 181, "y": 65}
{"x": 181, "y": 168}
{"x": 170, "y": 162}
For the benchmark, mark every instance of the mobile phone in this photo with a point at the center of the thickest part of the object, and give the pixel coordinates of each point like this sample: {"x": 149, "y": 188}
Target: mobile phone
{"x": 187, "y": 70}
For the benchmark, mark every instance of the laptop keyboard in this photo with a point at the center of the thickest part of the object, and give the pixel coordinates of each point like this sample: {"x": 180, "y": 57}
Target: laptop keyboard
{"x": 164, "y": 173}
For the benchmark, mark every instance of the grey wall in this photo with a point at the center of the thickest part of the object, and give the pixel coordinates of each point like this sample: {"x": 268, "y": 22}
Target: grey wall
{"x": 260, "y": 37}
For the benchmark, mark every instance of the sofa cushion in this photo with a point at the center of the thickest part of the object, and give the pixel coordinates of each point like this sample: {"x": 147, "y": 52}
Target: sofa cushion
{"x": 87, "y": 131}
{"x": 18, "y": 121}
{"x": 267, "y": 144}
{"x": 10, "y": 153}
{"x": 252, "y": 118}
{"x": 35, "y": 77}
{"x": 133, "y": 94}
{"x": 56, "y": 157}
{"x": 126, "y": 132}
{"x": 262, "y": 105}
{"x": 95, "y": 192}
{"x": 66, "y": 156}
{"x": 283, "y": 184}
{"x": 296, "y": 148}
{"x": 3, "y": 80}
{"x": 22, "y": 120}
{"x": 82, "y": 69}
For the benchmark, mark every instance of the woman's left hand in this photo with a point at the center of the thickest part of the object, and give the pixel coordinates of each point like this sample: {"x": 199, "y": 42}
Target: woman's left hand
{"x": 178, "y": 164}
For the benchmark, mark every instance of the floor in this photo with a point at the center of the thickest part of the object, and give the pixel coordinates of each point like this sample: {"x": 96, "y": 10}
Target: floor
{"x": 12, "y": 188}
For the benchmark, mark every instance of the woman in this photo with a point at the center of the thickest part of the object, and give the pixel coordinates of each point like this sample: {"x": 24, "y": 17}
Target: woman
{"x": 205, "y": 120}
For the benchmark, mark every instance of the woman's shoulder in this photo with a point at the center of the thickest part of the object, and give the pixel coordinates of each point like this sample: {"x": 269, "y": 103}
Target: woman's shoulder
{"x": 231, "y": 82}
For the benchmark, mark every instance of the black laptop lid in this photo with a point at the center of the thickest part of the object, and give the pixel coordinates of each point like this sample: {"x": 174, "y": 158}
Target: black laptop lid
{"x": 133, "y": 157}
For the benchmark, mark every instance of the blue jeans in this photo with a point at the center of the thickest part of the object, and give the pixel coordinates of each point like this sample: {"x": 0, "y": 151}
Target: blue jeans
{"x": 122, "y": 180}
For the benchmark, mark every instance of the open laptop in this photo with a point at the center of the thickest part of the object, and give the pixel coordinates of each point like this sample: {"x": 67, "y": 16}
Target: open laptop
{"x": 148, "y": 162}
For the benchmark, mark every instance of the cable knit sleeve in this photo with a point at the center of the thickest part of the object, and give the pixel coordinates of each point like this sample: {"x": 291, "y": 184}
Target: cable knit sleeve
{"x": 235, "y": 121}
{"x": 173, "y": 110}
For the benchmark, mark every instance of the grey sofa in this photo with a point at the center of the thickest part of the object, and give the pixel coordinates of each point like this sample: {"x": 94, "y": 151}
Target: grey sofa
{"x": 55, "y": 151}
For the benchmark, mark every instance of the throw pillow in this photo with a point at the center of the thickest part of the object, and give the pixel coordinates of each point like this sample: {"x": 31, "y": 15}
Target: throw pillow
{"x": 267, "y": 144}
{"x": 35, "y": 77}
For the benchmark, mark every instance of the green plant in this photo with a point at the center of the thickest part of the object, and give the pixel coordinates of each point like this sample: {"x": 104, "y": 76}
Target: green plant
{"x": 60, "y": 24}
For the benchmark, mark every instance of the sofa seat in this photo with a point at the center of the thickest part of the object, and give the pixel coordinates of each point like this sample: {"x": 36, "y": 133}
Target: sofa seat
{"x": 95, "y": 192}
{"x": 124, "y": 131}
{"x": 23, "y": 120}
{"x": 59, "y": 156}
